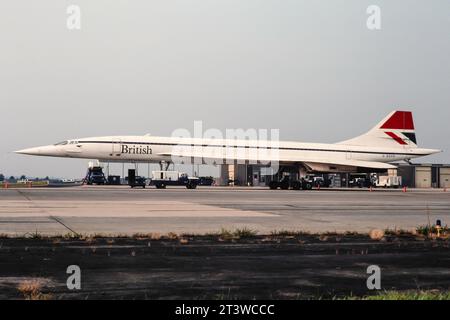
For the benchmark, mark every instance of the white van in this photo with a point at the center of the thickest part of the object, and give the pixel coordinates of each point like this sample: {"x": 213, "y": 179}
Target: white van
{"x": 389, "y": 181}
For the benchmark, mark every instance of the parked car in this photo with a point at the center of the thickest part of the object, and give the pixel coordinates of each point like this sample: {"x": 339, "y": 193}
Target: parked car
{"x": 139, "y": 182}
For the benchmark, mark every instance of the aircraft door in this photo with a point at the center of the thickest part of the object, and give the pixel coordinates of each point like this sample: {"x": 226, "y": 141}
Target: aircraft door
{"x": 116, "y": 148}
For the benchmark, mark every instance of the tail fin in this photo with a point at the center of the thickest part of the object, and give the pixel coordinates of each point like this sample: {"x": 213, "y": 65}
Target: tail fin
{"x": 394, "y": 131}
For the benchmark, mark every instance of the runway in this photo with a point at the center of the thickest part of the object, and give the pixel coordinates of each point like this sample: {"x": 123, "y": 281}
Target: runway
{"x": 124, "y": 211}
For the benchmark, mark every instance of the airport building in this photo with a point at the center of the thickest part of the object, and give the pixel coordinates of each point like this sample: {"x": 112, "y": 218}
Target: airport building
{"x": 413, "y": 176}
{"x": 424, "y": 175}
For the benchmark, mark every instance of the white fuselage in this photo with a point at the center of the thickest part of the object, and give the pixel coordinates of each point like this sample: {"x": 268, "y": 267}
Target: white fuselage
{"x": 156, "y": 149}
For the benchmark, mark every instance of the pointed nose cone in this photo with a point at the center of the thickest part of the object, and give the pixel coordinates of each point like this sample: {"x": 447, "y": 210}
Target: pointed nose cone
{"x": 49, "y": 151}
{"x": 30, "y": 151}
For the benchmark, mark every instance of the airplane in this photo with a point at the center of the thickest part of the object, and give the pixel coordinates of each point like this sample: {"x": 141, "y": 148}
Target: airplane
{"x": 392, "y": 140}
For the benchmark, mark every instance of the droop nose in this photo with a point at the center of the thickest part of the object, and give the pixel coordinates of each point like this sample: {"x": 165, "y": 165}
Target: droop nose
{"x": 30, "y": 151}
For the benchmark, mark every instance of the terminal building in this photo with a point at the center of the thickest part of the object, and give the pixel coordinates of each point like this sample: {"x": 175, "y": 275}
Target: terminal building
{"x": 413, "y": 176}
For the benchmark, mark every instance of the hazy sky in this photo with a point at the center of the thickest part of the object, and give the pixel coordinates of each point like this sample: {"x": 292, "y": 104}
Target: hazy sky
{"x": 310, "y": 68}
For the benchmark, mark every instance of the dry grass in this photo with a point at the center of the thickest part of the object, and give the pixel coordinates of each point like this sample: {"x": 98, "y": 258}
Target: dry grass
{"x": 400, "y": 232}
{"x": 432, "y": 231}
{"x": 31, "y": 290}
{"x": 239, "y": 233}
{"x": 155, "y": 236}
{"x": 407, "y": 295}
{"x": 234, "y": 234}
{"x": 245, "y": 232}
{"x": 288, "y": 233}
{"x": 376, "y": 234}
{"x": 172, "y": 236}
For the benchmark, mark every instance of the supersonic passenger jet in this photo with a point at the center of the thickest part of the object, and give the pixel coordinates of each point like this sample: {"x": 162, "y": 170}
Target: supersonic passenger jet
{"x": 393, "y": 139}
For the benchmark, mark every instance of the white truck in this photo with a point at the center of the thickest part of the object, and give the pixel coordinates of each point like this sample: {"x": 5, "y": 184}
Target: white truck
{"x": 389, "y": 182}
{"x": 161, "y": 179}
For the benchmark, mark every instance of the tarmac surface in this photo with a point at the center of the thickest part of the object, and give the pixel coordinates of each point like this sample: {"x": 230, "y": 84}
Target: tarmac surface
{"x": 119, "y": 210}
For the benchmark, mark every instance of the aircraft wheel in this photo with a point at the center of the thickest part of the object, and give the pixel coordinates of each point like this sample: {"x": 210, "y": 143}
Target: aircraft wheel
{"x": 191, "y": 186}
{"x": 307, "y": 186}
{"x": 296, "y": 185}
{"x": 273, "y": 185}
{"x": 284, "y": 187}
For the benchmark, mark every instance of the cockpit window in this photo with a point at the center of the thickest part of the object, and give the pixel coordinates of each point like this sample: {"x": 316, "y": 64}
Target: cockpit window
{"x": 61, "y": 143}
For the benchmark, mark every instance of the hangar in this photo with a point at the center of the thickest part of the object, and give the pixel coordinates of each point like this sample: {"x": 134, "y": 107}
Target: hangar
{"x": 425, "y": 175}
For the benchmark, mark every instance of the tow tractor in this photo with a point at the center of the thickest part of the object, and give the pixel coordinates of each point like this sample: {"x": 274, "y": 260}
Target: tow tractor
{"x": 162, "y": 179}
{"x": 287, "y": 183}
{"x": 134, "y": 180}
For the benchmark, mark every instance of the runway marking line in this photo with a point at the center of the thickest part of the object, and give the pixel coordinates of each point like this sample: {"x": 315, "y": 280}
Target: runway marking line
{"x": 63, "y": 224}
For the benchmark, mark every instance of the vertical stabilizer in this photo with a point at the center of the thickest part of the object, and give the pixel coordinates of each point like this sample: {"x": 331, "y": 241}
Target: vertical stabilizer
{"x": 395, "y": 131}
